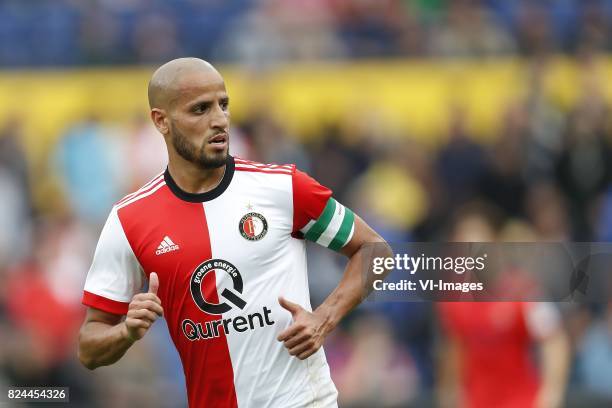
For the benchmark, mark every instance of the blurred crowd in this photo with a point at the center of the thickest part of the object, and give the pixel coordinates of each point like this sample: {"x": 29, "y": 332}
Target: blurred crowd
{"x": 544, "y": 177}
{"x": 259, "y": 31}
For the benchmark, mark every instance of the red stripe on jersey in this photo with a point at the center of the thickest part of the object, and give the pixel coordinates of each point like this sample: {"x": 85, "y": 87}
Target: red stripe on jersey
{"x": 206, "y": 362}
{"x": 146, "y": 188}
{"x": 238, "y": 168}
{"x": 309, "y": 200}
{"x": 262, "y": 165}
{"x": 104, "y": 304}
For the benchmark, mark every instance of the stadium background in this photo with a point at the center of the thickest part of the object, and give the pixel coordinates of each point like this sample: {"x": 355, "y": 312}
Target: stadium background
{"x": 408, "y": 110}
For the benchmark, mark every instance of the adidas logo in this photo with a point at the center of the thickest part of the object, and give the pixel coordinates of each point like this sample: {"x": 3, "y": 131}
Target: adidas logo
{"x": 166, "y": 246}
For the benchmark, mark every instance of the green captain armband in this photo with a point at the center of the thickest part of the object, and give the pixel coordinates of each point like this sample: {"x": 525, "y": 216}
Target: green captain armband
{"x": 334, "y": 228}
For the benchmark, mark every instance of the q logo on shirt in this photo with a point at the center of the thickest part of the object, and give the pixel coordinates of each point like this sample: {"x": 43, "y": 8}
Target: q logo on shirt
{"x": 231, "y": 296}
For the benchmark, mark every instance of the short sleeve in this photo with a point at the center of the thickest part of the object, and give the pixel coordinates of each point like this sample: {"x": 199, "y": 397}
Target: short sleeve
{"x": 317, "y": 216}
{"x": 542, "y": 319}
{"x": 115, "y": 275}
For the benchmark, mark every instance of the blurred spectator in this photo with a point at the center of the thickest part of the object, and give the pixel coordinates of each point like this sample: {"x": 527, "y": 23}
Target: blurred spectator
{"x": 371, "y": 353}
{"x": 16, "y": 206}
{"x": 372, "y": 28}
{"x": 541, "y": 123}
{"x": 584, "y": 168}
{"x": 467, "y": 31}
{"x": 44, "y": 318}
{"x": 504, "y": 182}
{"x": 89, "y": 161}
{"x": 338, "y": 163}
{"x": 595, "y": 357}
{"x": 147, "y": 152}
{"x": 461, "y": 163}
{"x": 534, "y": 29}
{"x": 485, "y": 352}
{"x": 271, "y": 144}
{"x": 155, "y": 37}
{"x": 547, "y": 211}
{"x": 279, "y": 30}
{"x": 100, "y": 35}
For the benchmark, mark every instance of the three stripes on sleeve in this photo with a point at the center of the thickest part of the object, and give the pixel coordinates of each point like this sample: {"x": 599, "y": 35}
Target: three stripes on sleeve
{"x": 334, "y": 228}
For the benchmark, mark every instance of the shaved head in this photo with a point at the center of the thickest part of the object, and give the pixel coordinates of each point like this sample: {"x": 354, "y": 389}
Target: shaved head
{"x": 167, "y": 80}
{"x": 190, "y": 108}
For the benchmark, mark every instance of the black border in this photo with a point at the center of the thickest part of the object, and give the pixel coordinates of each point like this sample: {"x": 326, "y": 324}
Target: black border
{"x": 207, "y": 196}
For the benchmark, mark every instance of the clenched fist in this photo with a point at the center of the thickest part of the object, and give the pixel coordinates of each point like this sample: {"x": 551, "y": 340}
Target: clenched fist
{"x": 143, "y": 310}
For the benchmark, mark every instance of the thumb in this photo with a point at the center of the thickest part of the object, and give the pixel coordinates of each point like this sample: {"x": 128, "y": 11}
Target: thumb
{"x": 153, "y": 283}
{"x": 293, "y": 308}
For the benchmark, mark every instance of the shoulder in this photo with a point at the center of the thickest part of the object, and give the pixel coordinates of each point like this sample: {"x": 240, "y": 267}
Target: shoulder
{"x": 243, "y": 165}
{"x": 147, "y": 190}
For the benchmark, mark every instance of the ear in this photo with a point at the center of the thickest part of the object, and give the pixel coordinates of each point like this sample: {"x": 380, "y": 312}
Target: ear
{"x": 160, "y": 120}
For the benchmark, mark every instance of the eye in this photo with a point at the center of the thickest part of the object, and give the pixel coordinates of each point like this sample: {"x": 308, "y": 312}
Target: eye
{"x": 224, "y": 105}
{"x": 200, "y": 108}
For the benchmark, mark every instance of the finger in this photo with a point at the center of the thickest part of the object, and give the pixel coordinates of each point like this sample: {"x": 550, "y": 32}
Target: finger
{"x": 293, "y": 308}
{"x": 153, "y": 283}
{"x": 148, "y": 305}
{"x": 301, "y": 348}
{"x": 289, "y": 332}
{"x": 296, "y": 339}
{"x": 147, "y": 296}
{"x": 143, "y": 314}
{"x": 307, "y": 353}
{"x": 154, "y": 307}
{"x": 137, "y": 323}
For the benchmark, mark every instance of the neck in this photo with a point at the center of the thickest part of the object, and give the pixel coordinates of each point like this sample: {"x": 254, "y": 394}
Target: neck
{"x": 193, "y": 179}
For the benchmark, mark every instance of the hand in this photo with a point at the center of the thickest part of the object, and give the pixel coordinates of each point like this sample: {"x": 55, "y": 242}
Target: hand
{"x": 307, "y": 332}
{"x": 143, "y": 310}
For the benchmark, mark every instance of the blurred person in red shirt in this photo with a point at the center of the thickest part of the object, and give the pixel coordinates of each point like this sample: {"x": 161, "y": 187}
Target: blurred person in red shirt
{"x": 485, "y": 357}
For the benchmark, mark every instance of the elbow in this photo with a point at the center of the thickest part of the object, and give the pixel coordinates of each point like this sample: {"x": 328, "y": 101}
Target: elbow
{"x": 86, "y": 361}
{"x": 385, "y": 248}
{"x": 85, "y": 358}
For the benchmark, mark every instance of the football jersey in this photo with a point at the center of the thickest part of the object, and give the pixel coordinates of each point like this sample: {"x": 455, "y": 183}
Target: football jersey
{"x": 223, "y": 258}
{"x": 495, "y": 340}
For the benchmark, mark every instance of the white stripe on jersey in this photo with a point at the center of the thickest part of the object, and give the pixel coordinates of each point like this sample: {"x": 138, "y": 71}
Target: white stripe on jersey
{"x": 261, "y": 165}
{"x": 262, "y": 169}
{"x": 141, "y": 196}
{"x": 141, "y": 189}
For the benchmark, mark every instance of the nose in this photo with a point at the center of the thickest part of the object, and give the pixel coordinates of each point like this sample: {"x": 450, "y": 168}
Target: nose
{"x": 220, "y": 118}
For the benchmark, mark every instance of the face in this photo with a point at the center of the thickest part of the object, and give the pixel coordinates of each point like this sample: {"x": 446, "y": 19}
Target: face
{"x": 198, "y": 120}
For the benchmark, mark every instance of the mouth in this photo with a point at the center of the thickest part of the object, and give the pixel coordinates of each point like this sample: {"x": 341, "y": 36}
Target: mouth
{"x": 219, "y": 140}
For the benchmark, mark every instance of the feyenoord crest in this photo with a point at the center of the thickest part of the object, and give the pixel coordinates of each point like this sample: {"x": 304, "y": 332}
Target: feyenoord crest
{"x": 253, "y": 226}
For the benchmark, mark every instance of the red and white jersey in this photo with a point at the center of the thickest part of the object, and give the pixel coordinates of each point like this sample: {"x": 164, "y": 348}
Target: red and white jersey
{"x": 223, "y": 258}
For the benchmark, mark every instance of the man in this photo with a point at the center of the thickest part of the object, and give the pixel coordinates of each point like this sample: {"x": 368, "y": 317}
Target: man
{"x": 219, "y": 240}
{"x": 486, "y": 354}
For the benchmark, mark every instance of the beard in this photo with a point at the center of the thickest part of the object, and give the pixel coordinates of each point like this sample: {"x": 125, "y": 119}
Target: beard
{"x": 197, "y": 155}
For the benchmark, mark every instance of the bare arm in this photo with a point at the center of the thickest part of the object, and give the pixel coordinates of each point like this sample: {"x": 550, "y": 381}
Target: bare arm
{"x": 448, "y": 362}
{"x": 105, "y": 337}
{"x": 352, "y": 289}
{"x": 554, "y": 358}
{"x": 308, "y": 331}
